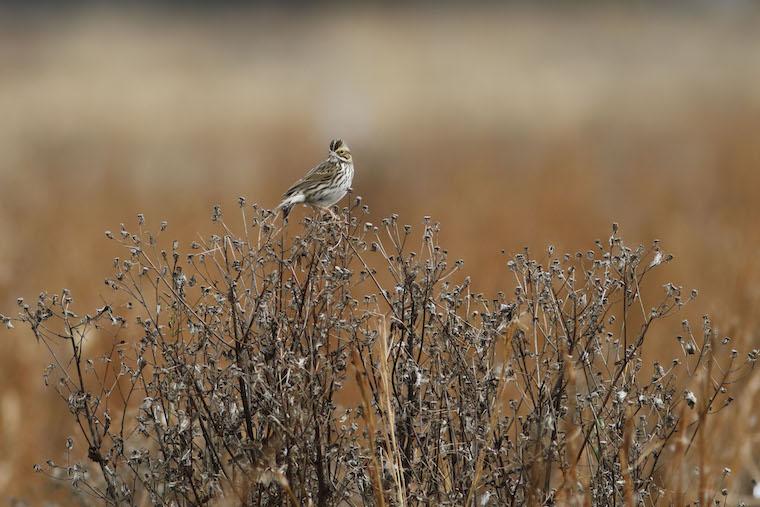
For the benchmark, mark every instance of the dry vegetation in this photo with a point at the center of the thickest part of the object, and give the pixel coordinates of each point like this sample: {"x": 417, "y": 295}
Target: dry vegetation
{"x": 521, "y": 128}
{"x": 226, "y": 367}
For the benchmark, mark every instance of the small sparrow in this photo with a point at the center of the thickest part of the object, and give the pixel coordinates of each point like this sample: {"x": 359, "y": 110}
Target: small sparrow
{"x": 325, "y": 184}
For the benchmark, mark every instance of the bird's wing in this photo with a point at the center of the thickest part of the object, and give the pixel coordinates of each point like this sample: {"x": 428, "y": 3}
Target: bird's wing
{"x": 316, "y": 173}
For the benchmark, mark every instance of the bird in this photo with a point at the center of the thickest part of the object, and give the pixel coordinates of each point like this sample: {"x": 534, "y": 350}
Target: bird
{"x": 325, "y": 184}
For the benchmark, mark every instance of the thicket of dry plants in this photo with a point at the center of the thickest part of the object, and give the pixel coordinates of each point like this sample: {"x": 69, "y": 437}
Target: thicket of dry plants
{"x": 213, "y": 374}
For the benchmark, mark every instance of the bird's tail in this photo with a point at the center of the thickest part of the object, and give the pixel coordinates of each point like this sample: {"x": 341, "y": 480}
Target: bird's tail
{"x": 285, "y": 210}
{"x": 287, "y": 204}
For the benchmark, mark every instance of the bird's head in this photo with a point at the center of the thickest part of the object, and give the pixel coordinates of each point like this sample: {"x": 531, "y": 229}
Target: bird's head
{"x": 340, "y": 150}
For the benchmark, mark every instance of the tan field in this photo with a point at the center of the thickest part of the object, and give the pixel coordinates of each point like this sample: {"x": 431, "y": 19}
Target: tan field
{"x": 512, "y": 127}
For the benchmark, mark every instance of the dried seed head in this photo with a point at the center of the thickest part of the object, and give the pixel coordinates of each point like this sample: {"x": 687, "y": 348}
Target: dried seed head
{"x": 691, "y": 398}
{"x": 216, "y": 213}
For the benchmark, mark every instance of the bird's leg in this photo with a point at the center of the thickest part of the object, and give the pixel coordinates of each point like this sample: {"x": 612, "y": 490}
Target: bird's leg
{"x": 332, "y": 213}
{"x": 319, "y": 213}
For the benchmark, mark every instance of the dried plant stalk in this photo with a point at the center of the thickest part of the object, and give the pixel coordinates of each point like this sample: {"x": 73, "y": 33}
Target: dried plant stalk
{"x": 218, "y": 372}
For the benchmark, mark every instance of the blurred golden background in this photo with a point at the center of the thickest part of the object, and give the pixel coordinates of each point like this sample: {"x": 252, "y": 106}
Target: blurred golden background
{"x": 514, "y": 126}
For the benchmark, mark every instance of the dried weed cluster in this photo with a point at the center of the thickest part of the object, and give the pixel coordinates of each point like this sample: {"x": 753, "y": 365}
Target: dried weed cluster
{"x": 343, "y": 365}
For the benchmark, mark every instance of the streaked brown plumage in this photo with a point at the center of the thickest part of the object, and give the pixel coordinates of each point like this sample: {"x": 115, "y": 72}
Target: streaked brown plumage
{"x": 325, "y": 184}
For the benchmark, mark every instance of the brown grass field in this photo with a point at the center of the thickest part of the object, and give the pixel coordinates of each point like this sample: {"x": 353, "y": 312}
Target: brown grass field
{"x": 512, "y": 127}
